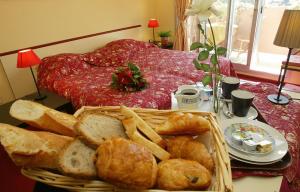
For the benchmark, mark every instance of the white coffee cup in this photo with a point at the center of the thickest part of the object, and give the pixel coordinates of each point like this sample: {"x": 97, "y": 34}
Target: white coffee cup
{"x": 188, "y": 97}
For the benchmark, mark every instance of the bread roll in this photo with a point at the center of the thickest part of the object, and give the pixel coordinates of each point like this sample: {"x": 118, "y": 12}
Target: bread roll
{"x": 32, "y": 148}
{"x": 187, "y": 148}
{"x": 77, "y": 160}
{"x": 96, "y": 128}
{"x": 42, "y": 117}
{"x": 126, "y": 164}
{"x": 184, "y": 124}
{"x": 179, "y": 174}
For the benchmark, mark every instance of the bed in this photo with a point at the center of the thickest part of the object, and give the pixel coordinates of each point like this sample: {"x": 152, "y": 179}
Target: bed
{"x": 85, "y": 79}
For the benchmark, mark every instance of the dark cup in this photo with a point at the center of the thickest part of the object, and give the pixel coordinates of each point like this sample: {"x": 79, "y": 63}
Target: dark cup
{"x": 228, "y": 85}
{"x": 241, "y": 102}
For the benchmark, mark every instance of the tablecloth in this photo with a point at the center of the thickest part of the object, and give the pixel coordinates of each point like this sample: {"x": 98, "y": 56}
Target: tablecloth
{"x": 284, "y": 118}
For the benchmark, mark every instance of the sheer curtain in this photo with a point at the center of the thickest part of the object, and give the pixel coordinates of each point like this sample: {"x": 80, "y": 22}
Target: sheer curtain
{"x": 180, "y": 42}
{"x": 193, "y": 32}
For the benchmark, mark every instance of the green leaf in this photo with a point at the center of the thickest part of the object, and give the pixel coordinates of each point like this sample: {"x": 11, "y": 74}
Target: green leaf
{"x": 114, "y": 82}
{"x": 205, "y": 67}
{"x": 197, "y": 64}
{"x": 221, "y": 50}
{"x": 196, "y": 45}
{"x": 203, "y": 55}
{"x": 213, "y": 59}
{"x": 207, "y": 79}
{"x": 218, "y": 77}
{"x": 133, "y": 67}
{"x": 208, "y": 47}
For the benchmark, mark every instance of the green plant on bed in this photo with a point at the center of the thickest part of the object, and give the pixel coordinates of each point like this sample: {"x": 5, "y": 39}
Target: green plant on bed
{"x": 128, "y": 79}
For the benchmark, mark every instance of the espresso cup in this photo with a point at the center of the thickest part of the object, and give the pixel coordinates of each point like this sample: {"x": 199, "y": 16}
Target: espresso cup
{"x": 228, "y": 85}
{"x": 241, "y": 102}
{"x": 188, "y": 97}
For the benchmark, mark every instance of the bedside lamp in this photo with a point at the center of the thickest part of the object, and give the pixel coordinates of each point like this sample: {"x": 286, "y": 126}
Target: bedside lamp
{"x": 27, "y": 58}
{"x": 153, "y": 23}
{"x": 288, "y": 35}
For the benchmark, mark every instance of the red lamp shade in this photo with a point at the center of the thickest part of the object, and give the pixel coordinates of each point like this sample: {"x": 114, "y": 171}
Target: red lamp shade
{"x": 153, "y": 23}
{"x": 27, "y": 58}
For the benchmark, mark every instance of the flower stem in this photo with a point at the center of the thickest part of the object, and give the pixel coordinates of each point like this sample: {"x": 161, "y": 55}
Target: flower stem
{"x": 216, "y": 72}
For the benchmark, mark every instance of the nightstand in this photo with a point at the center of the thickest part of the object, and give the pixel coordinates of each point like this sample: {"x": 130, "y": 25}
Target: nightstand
{"x": 53, "y": 101}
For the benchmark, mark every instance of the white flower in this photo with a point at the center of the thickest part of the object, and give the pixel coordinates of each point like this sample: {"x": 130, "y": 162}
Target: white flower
{"x": 203, "y": 9}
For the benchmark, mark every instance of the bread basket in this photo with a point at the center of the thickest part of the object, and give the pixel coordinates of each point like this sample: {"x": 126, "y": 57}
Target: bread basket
{"x": 222, "y": 175}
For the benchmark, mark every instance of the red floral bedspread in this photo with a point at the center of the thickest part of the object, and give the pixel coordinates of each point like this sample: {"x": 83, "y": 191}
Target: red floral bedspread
{"x": 85, "y": 78}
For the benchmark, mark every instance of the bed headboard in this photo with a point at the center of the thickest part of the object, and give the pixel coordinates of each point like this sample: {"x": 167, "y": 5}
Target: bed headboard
{"x": 69, "y": 40}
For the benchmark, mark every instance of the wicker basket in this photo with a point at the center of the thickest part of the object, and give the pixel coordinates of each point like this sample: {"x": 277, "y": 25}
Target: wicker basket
{"x": 222, "y": 177}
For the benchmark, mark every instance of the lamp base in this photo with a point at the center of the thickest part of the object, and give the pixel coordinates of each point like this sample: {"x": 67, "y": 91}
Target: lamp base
{"x": 281, "y": 101}
{"x": 40, "y": 97}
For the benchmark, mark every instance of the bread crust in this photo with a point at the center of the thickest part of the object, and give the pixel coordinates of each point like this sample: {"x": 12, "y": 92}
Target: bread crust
{"x": 179, "y": 174}
{"x": 186, "y": 147}
{"x": 126, "y": 164}
{"x": 45, "y": 118}
{"x": 184, "y": 124}
{"x": 32, "y": 148}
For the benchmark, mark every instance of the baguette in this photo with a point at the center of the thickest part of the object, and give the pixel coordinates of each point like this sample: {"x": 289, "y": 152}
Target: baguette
{"x": 32, "y": 148}
{"x": 142, "y": 125}
{"x": 184, "y": 124}
{"x": 94, "y": 129}
{"x": 43, "y": 117}
{"x": 77, "y": 160}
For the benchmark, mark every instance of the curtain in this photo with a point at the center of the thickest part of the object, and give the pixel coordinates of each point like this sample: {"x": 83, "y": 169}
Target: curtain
{"x": 180, "y": 42}
{"x": 193, "y": 32}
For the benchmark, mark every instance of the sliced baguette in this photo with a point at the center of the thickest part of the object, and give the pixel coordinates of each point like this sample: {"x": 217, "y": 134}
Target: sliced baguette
{"x": 94, "y": 129}
{"x": 132, "y": 132}
{"x": 142, "y": 125}
{"x": 77, "y": 160}
{"x": 43, "y": 117}
{"x": 32, "y": 148}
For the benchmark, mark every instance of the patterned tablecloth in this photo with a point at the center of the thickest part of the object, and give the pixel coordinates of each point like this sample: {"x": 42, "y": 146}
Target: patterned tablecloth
{"x": 284, "y": 118}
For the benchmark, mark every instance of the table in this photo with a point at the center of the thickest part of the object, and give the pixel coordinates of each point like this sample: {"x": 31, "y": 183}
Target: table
{"x": 245, "y": 184}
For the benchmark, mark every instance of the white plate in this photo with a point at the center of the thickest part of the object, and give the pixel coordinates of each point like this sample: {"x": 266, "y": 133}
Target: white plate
{"x": 236, "y": 145}
{"x": 253, "y": 162}
{"x": 252, "y": 113}
{"x": 280, "y": 145}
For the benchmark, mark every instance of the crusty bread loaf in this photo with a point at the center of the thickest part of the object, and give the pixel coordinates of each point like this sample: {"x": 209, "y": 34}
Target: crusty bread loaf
{"x": 96, "y": 128}
{"x": 32, "y": 148}
{"x": 126, "y": 164}
{"x": 43, "y": 117}
{"x": 77, "y": 160}
{"x": 184, "y": 124}
{"x": 179, "y": 174}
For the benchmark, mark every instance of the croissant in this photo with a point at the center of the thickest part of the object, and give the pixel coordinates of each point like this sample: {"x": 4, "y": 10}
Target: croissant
{"x": 179, "y": 174}
{"x": 184, "y": 124}
{"x": 187, "y": 148}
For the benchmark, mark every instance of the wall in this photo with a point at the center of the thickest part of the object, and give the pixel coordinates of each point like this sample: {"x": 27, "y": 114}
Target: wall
{"x": 165, "y": 13}
{"x": 31, "y": 22}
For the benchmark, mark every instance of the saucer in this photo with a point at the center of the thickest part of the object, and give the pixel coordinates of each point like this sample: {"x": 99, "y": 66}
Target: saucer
{"x": 252, "y": 113}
